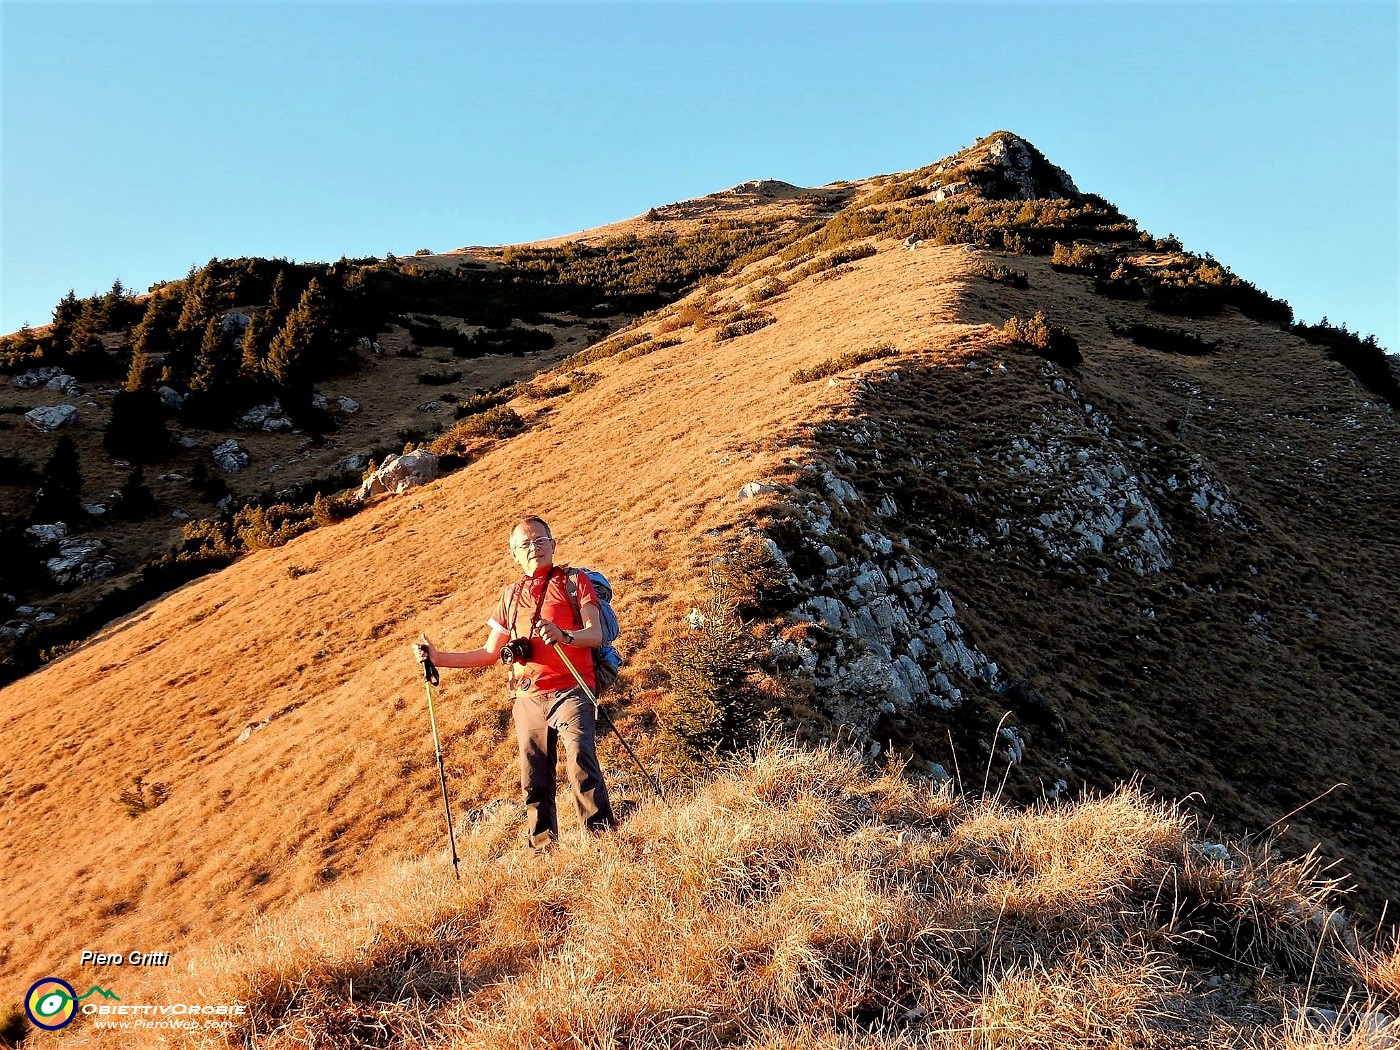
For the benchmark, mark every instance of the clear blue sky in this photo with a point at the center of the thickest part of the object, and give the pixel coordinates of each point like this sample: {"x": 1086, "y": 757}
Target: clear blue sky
{"x": 139, "y": 138}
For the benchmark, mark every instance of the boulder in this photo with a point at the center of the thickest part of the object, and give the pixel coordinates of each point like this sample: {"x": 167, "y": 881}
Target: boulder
{"x": 355, "y": 463}
{"x": 48, "y": 533}
{"x": 230, "y": 457}
{"x": 36, "y": 377}
{"x": 65, "y": 383}
{"x": 171, "y": 398}
{"x": 51, "y": 418}
{"x": 348, "y": 405}
{"x": 399, "y": 473}
{"x": 80, "y": 560}
{"x": 755, "y": 488}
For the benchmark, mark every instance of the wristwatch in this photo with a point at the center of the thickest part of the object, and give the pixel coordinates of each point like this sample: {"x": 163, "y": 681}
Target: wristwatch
{"x": 569, "y": 637}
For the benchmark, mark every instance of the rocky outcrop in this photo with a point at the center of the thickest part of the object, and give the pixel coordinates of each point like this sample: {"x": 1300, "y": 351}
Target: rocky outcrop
{"x": 51, "y": 418}
{"x": 1024, "y": 173}
{"x": 79, "y": 561}
{"x": 230, "y": 456}
{"x": 399, "y": 473}
{"x": 265, "y": 417}
{"x": 889, "y": 635}
{"x": 37, "y": 377}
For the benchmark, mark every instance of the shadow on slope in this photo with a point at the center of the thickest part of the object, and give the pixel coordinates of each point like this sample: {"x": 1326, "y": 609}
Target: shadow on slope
{"x": 1167, "y": 567}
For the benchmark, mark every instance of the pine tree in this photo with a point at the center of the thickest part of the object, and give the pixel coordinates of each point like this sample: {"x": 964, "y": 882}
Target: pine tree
{"x": 256, "y": 339}
{"x": 137, "y": 428}
{"x": 152, "y": 340}
{"x": 65, "y": 316}
{"x": 297, "y": 348}
{"x": 217, "y": 364}
{"x": 61, "y": 487}
{"x": 202, "y": 299}
{"x": 135, "y": 500}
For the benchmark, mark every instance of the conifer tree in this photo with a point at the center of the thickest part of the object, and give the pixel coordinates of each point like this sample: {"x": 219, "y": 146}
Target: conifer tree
{"x": 135, "y": 500}
{"x": 65, "y": 317}
{"x": 60, "y": 488}
{"x": 283, "y": 296}
{"x": 137, "y": 428}
{"x": 217, "y": 364}
{"x": 152, "y": 339}
{"x": 254, "y": 346}
{"x": 296, "y": 349}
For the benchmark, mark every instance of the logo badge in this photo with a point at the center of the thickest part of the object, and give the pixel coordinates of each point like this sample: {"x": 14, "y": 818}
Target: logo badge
{"x": 51, "y": 1004}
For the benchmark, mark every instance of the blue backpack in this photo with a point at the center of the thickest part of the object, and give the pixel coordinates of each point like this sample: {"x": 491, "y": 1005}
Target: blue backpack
{"x": 607, "y": 663}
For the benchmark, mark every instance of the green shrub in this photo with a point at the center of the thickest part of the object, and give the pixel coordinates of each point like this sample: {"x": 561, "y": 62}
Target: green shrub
{"x": 142, "y": 797}
{"x": 484, "y": 402}
{"x": 1082, "y": 258}
{"x": 439, "y": 378}
{"x": 14, "y": 1026}
{"x": 500, "y": 422}
{"x": 769, "y": 289}
{"x": 832, "y": 365}
{"x": 998, "y": 274}
{"x": 713, "y": 708}
{"x": 1170, "y": 340}
{"x": 1047, "y": 341}
{"x": 743, "y": 324}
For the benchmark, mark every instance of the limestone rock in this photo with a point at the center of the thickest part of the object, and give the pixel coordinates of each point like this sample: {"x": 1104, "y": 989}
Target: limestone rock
{"x": 80, "y": 560}
{"x": 51, "y": 418}
{"x": 399, "y": 473}
{"x": 48, "y": 533}
{"x": 230, "y": 457}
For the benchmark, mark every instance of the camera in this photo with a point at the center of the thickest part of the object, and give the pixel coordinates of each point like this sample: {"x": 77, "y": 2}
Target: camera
{"x": 517, "y": 651}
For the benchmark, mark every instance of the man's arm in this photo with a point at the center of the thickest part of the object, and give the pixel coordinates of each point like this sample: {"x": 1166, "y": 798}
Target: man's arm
{"x": 589, "y": 636}
{"x": 487, "y": 655}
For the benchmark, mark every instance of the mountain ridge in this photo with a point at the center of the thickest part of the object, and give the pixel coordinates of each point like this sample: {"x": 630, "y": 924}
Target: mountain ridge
{"x": 309, "y": 638}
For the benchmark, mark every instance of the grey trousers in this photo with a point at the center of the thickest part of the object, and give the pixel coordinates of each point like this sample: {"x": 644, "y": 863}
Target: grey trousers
{"x": 541, "y": 720}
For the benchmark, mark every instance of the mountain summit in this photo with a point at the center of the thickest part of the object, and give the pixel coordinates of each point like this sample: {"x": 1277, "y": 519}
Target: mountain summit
{"x": 958, "y": 467}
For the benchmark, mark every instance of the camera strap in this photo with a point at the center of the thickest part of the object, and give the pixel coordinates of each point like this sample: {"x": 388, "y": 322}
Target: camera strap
{"x": 539, "y": 605}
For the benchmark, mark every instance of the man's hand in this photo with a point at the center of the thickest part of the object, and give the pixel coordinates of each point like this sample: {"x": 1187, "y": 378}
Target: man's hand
{"x": 424, "y": 650}
{"x": 550, "y": 633}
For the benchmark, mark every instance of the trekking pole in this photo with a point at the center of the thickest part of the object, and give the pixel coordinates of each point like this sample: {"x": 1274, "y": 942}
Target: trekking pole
{"x": 430, "y": 679}
{"x": 656, "y": 784}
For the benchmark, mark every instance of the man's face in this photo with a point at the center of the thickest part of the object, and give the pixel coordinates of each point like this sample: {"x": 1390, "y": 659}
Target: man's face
{"x": 533, "y": 548}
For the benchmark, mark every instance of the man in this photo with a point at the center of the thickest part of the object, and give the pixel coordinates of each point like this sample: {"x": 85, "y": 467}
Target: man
{"x": 549, "y": 703}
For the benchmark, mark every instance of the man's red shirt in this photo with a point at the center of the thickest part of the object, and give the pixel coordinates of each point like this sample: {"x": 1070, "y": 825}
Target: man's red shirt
{"x": 516, "y": 613}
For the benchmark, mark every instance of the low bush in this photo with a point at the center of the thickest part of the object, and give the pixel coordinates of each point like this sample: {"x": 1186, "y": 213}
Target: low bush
{"x": 142, "y": 797}
{"x": 439, "y": 378}
{"x": 768, "y": 289}
{"x": 998, "y": 274}
{"x": 1169, "y": 340}
{"x": 832, "y": 365}
{"x": 1046, "y": 340}
{"x": 1082, "y": 258}
{"x": 744, "y": 324}
{"x": 16, "y": 471}
{"x": 713, "y": 708}
{"x": 461, "y": 439}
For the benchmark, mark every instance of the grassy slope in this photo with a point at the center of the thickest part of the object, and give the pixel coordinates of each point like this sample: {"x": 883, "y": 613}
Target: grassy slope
{"x": 798, "y": 901}
{"x": 338, "y": 782}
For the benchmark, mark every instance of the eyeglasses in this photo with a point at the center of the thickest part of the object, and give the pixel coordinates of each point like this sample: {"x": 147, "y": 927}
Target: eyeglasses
{"x": 536, "y": 542}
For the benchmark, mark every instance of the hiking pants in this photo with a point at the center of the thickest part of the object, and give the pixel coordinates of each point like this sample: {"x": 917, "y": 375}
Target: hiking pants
{"x": 541, "y": 719}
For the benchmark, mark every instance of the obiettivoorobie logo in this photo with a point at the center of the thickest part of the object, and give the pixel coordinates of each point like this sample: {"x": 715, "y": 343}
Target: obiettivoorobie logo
{"x": 52, "y": 1003}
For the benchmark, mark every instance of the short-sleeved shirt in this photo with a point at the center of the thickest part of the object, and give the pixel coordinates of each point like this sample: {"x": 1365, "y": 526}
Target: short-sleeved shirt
{"x": 516, "y": 613}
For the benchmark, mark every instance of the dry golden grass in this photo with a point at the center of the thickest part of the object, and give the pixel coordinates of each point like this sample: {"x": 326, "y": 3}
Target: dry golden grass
{"x": 335, "y": 784}
{"x": 796, "y": 900}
